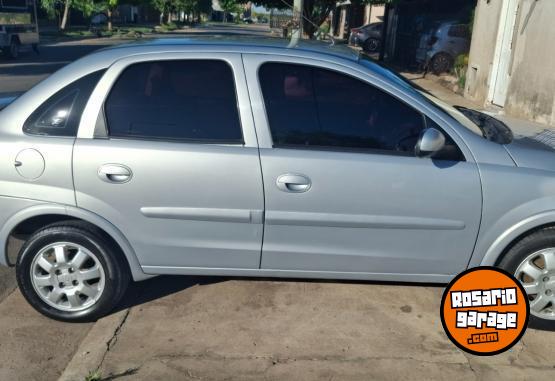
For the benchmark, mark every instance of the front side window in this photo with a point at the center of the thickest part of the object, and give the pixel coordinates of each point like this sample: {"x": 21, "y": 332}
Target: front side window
{"x": 187, "y": 100}
{"x": 313, "y": 107}
{"x": 60, "y": 114}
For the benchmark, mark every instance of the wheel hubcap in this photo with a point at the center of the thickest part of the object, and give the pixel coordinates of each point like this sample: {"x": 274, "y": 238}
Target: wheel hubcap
{"x": 537, "y": 275}
{"x": 67, "y": 276}
{"x": 372, "y": 45}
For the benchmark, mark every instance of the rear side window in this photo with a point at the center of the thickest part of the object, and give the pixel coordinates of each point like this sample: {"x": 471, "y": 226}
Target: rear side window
{"x": 60, "y": 114}
{"x": 318, "y": 108}
{"x": 187, "y": 100}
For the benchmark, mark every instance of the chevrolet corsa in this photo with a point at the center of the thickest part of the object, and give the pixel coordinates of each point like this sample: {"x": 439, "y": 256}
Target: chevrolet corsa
{"x": 252, "y": 158}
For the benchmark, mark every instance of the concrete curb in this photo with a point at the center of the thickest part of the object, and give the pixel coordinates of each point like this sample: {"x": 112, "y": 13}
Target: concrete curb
{"x": 92, "y": 350}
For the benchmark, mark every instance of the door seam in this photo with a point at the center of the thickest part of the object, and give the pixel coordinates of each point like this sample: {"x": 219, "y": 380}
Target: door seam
{"x": 259, "y": 164}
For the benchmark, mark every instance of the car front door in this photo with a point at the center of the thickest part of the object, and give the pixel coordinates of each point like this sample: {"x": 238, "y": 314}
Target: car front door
{"x": 167, "y": 153}
{"x": 344, "y": 192}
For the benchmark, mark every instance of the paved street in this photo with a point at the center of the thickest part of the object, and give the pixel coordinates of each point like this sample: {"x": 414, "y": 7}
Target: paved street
{"x": 213, "y": 328}
{"x": 20, "y": 75}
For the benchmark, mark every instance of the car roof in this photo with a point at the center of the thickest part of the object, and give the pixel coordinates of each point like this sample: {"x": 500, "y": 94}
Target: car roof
{"x": 243, "y": 44}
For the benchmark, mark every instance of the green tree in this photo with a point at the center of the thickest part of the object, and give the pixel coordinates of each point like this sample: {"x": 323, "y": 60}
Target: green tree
{"x": 228, "y": 6}
{"x": 52, "y": 8}
{"x": 164, "y": 7}
{"x": 315, "y": 12}
{"x": 110, "y": 6}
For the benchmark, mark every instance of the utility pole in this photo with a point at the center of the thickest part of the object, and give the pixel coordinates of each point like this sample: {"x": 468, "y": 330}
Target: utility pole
{"x": 297, "y": 33}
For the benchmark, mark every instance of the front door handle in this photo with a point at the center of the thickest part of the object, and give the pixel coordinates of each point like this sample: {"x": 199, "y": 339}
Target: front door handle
{"x": 293, "y": 183}
{"x": 115, "y": 173}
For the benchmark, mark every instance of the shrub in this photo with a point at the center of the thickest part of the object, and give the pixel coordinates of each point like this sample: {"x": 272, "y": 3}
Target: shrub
{"x": 459, "y": 68}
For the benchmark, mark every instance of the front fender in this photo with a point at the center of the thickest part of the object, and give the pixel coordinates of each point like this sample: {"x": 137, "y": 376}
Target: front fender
{"x": 496, "y": 247}
{"x": 41, "y": 209}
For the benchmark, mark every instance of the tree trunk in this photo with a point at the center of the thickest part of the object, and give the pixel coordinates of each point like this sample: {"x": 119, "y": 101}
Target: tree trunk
{"x": 169, "y": 17}
{"x": 66, "y": 14}
{"x": 109, "y": 11}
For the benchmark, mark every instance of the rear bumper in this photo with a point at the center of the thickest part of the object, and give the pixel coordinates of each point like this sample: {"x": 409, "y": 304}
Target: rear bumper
{"x": 354, "y": 40}
{"x": 423, "y": 56}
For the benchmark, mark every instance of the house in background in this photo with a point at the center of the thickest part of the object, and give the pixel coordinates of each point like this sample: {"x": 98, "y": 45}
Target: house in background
{"x": 512, "y": 58}
{"x": 344, "y": 17}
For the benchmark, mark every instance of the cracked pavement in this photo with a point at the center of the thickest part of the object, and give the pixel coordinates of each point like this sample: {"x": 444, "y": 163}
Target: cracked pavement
{"x": 301, "y": 330}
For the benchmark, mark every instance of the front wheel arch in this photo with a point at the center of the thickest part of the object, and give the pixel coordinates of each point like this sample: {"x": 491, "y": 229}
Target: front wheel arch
{"x": 519, "y": 238}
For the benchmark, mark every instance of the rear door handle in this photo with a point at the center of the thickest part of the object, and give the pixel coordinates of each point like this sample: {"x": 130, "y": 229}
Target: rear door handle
{"x": 114, "y": 173}
{"x": 293, "y": 183}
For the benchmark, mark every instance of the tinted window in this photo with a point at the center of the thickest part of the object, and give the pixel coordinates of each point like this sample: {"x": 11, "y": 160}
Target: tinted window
{"x": 190, "y": 100}
{"x": 60, "y": 114}
{"x": 313, "y": 107}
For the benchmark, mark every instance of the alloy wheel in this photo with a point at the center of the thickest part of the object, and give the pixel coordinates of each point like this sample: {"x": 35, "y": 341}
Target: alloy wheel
{"x": 537, "y": 275}
{"x": 67, "y": 276}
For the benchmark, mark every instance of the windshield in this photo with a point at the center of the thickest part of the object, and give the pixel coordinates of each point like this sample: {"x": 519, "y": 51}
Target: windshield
{"x": 383, "y": 70}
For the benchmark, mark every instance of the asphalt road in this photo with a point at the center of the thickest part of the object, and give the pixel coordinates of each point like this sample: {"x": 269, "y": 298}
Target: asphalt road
{"x": 20, "y": 75}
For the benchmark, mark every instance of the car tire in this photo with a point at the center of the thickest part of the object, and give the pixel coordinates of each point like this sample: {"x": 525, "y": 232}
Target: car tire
{"x": 13, "y": 50}
{"x": 538, "y": 279}
{"x": 441, "y": 63}
{"x": 70, "y": 271}
{"x": 371, "y": 45}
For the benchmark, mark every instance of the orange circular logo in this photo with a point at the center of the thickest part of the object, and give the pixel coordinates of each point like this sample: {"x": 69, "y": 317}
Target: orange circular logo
{"x": 484, "y": 311}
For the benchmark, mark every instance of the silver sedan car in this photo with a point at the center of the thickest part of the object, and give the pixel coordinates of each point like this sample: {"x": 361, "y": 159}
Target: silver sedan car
{"x": 252, "y": 158}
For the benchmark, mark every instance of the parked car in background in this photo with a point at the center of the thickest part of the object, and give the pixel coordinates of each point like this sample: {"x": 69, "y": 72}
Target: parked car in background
{"x": 368, "y": 37}
{"x": 99, "y": 22}
{"x": 18, "y": 27}
{"x": 439, "y": 47}
{"x": 251, "y": 158}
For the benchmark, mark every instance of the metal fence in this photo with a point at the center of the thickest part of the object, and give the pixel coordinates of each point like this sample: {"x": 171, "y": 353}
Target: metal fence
{"x": 281, "y": 18}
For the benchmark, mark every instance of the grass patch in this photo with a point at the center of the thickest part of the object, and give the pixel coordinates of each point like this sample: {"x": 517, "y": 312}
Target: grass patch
{"x": 93, "y": 376}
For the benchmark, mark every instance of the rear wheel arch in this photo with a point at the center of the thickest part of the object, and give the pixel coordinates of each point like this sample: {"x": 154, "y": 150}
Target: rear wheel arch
{"x": 32, "y": 219}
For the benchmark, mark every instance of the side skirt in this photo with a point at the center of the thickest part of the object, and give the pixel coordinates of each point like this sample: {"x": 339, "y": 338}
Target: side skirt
{"x": 419, "y": 278}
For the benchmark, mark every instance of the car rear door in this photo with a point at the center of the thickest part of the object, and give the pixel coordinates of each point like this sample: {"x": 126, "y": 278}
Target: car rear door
{"x": 167, "y": 153}
{"x": 344, "y": 193}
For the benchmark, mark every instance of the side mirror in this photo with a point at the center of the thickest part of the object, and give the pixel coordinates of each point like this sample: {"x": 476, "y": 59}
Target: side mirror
{"x": 430, "y": 142}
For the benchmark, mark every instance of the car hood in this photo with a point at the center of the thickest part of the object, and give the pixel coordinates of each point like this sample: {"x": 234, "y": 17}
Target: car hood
{"x": 536, "y": 151}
